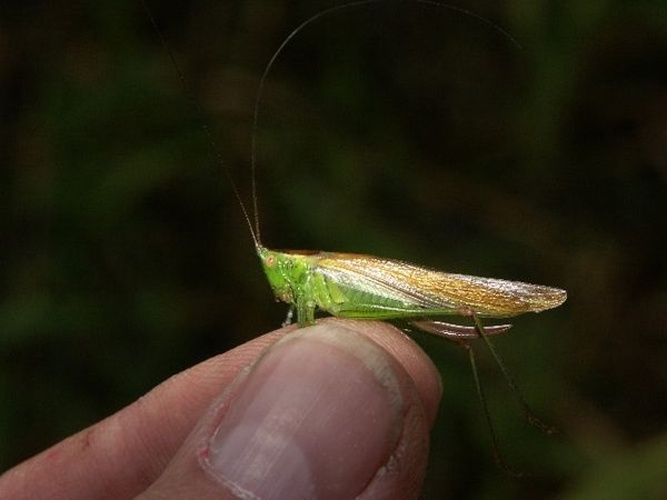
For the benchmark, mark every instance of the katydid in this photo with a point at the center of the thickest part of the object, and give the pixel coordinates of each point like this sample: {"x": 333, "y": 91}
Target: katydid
{"x": 364, "y": 287}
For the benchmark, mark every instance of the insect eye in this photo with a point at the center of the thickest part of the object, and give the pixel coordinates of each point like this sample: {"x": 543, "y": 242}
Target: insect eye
{"x": 270, "y": 260}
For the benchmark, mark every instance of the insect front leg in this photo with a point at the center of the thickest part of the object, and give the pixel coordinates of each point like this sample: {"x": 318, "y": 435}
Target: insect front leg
{"x": 288, "y": 318}
{"x": 305, "y": 311}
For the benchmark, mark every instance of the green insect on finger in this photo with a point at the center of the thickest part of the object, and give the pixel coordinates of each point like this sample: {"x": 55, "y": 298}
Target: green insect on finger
{"x": 365, "y": 287}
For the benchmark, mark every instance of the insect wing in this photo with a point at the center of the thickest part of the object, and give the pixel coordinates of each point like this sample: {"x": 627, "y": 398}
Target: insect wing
{"x": 445, "y": 292}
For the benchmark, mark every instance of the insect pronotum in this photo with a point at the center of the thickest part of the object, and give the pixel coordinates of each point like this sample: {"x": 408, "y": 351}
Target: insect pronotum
{"x": 365, "y": 287}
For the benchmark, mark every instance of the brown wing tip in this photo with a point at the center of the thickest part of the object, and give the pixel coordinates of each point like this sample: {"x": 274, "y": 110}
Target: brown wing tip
{"x": 549, "y": 298}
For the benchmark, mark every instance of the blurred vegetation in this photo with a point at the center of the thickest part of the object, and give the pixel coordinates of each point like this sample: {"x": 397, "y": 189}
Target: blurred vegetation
{"x": 399, "y": 130}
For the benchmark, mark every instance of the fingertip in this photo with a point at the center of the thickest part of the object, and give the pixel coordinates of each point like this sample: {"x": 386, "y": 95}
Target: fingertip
{"x": 409, "y": 355}
{"x": 342, "y": 409}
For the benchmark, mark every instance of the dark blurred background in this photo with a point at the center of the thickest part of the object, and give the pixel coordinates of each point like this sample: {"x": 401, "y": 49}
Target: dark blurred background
{"x": 403, "y": 131}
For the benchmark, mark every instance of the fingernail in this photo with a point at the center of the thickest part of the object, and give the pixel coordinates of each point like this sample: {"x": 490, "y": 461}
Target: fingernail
{"x": 317, "y": 417}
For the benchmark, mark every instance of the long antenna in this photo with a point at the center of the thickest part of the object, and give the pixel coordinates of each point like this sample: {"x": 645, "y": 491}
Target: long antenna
{"x": 217, "y": 156}
{"x": 304, "y": 24}
{"x": 253, "y": 223}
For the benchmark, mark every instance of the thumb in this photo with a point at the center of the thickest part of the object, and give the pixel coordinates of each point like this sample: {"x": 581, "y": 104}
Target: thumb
{"x": 324, "y": 413}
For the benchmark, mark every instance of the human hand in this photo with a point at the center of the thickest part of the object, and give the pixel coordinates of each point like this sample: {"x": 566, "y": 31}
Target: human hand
{"x": 339, "y": 410}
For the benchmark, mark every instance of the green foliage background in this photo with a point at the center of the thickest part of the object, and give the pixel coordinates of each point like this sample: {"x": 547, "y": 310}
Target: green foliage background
{"x": 403, "y": 131}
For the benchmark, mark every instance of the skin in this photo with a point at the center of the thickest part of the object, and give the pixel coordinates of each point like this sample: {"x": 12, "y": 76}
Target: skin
{"x": 153, "y": 447}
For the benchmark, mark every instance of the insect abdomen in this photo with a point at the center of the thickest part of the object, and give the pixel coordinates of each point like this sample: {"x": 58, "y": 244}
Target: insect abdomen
{"x": 355, "y": 301}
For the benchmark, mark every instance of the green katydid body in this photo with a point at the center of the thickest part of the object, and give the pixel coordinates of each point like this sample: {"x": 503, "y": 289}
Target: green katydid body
{"x": 364, "y": 287}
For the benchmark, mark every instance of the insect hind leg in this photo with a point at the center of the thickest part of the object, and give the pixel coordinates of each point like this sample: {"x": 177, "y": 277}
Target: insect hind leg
{"x": 497, "y": 455}
{"x": 532, "y": 418}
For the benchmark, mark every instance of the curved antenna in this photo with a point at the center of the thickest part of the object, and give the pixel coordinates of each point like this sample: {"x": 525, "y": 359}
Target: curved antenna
{"x": 293, "y": 33}
{"x": 253, "y": 223}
